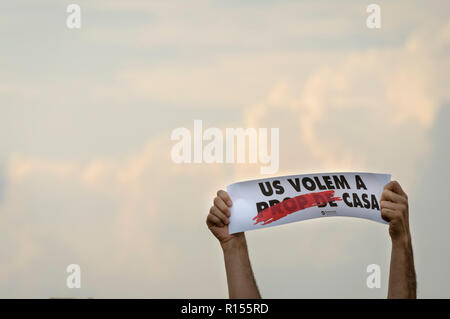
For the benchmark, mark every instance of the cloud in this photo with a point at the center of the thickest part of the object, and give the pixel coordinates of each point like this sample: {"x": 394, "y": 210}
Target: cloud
{"x": 134, "y": 221}
{"x": 429, "y": 215}
{"x": 387, "y": 96}
{"x": 110, "y": 216}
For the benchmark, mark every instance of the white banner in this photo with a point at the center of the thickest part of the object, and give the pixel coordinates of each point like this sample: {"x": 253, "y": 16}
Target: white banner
{"x": 280, "y": 200}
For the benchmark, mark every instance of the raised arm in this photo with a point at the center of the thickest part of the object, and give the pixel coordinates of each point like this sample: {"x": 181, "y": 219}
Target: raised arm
{"x": 240, "y": 278}
{"x": 394, "y": 209}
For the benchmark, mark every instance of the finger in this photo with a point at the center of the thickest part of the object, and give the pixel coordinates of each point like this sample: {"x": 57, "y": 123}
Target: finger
{"x": 225, "y": 197}
{"x": 391, "y": 205}
{"x": 389, "y": 195}
{"x": 214, "y": 221}
{"x": 396, "y": 188}
{"x": 219, "y": 203}
{"x": 216, "y": 212}
{"x": 388, "y": 214}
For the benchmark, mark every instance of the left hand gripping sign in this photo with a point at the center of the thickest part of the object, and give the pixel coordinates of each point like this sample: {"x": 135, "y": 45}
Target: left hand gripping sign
{"x": 281, "y": 200}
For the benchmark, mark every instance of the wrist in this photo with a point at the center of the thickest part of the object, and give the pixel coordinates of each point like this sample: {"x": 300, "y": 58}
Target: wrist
{"x": 402, "y": 241}
{"x": 234, "y": 243}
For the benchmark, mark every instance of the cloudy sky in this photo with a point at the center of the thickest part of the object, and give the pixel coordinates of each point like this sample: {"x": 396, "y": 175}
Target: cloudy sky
{"x": 86, "y": 116}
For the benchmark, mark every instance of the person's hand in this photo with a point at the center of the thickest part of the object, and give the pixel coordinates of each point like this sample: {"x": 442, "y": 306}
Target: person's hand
{"x": 218, "y": 219}
{"x": 394, "y": 209}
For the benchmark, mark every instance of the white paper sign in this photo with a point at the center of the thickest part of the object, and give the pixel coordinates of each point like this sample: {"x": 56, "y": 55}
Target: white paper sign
{"x": 280, "y": 200}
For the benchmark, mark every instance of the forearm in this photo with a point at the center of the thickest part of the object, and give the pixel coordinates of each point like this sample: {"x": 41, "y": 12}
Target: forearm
{"x": 240, "y": 278}
{"x": 402, "y": 276}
